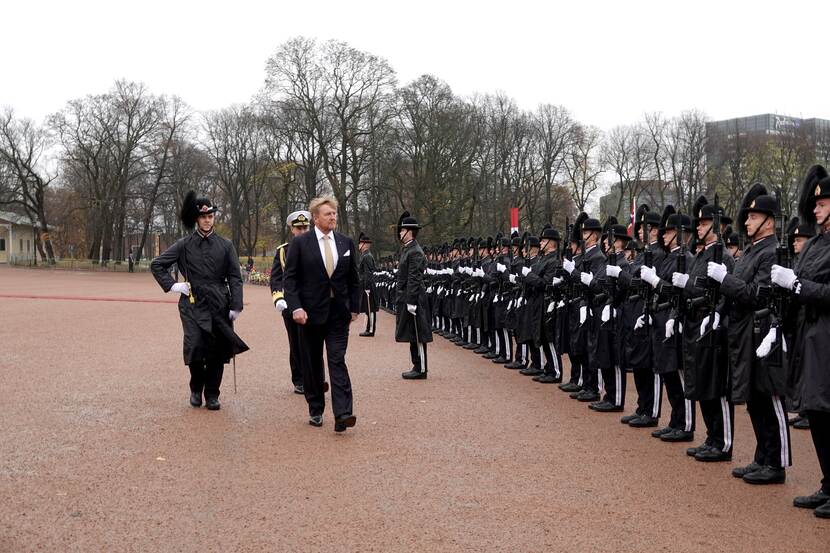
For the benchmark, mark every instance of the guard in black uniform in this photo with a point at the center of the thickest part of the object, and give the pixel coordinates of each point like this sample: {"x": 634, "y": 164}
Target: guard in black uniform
{"x": 668, "y": 320}
{"x": 809, "y": 286}
{"x": 637, "y": 351}
{"x": 705, "y": 346}
{"x": 413, "y": 317}
{"x": 210, "y": 301}
{"x": 761, "y": 383}
{"x": 369, "y": 300}
{"x": 298, "y": 222}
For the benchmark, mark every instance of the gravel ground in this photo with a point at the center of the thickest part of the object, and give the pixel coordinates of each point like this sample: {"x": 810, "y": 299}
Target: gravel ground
{"x": 100, "y": 450}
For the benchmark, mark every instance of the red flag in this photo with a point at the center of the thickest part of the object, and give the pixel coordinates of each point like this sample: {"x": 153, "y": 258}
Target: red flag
{"x": 514, "y": 220}
{"x": 633, "y": 215}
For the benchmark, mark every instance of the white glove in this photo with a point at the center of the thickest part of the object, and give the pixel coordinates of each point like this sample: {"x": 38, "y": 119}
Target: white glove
{"x": 669, "y": 328}
{"x": 679, "y": 280}
{"x": 512, "y": 279}
{"x": 551, "y": 306}
{"x": 583, "y": 314}
{"x": 569, "y": 265}
{"x": 280, "y": 305}
{"x": 557, "y": 281}
{"x": 496, "y": 298}
{"x": 766, "y": 344}
{"x": 613, "y": 271}
{"x": 233, "y": 315}
{"x": 716, "y": 271}
{"x": 509, "y": 305}
{"x": 783, "y": 277}
{"x": 649, "y": 274}
{"x": 641, "y": 321}
{"x": 705, "y": 322}
{"x": 561, "y": 304}
{"x": 501, "y": 268}
{"x": 181, "y": 288}
{"x": 411, "y": 308}
{"x": 605, "y": 316}
{"x": 586, "y": 278}
{"x": 480, "y": 273}
{"x": 525, "y": 271}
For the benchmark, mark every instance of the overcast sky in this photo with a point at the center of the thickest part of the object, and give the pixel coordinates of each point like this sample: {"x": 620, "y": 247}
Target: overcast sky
{"x": 608, "y": 62}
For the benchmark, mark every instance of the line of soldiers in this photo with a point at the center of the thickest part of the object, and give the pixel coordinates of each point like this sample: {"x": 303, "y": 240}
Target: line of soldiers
{"x": 685, "y": 304}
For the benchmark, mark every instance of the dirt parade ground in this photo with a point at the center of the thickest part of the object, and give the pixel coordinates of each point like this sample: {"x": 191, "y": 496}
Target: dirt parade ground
{"x": 100, "y": 450}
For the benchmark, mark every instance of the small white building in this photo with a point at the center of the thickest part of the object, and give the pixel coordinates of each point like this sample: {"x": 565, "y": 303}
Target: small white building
{"x": 17, "y": 238}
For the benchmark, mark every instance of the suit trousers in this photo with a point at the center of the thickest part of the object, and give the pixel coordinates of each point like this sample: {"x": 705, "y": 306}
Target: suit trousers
{"x": 294, "y": 348}
{"x": 334, "y": 334}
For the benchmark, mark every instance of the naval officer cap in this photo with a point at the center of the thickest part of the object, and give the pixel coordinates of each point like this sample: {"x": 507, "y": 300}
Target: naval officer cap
{"x": 301, "y": 218}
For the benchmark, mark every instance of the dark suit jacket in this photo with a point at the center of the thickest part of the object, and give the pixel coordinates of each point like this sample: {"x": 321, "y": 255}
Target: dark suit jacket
{"x": 307, "y": 285}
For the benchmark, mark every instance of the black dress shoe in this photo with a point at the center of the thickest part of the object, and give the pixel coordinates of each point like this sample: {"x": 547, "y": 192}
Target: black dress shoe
{"x": 298, "y": 389}
{"x": 766, "y": 475}
{"x": 692, "y": 451}
{"x": 531, "y": 371}
{"x": 343, "y": 422}
{"x": 606, "y": 407}
{"x": 325, "y": 387}
{"x": 490, "y": 355}
{"x": 514, "y": 366}
{"x": 661, "y": 431}
{"x": 587, "y": 397}
{"x": 643, "y": 421}
{"x": 481, "y": 350}
{"x": 470, "y": 345}
{"x": 546, "y": 379}
{"x": 414, "y": 375}
{"x": 811, "y": 501}
{"x": 803, "y": 424}
{"x": 500, "y": 360}
{"x": 212, "y": 403}
{"x": 628, "y": 418}
{"x": 713, "y": 455}
{"x": 678, "y": 436}
{"x": 315, "y": 420}
{"x": 739, "y": 472}
{"x": 596, "y": 404}
{"x": 196, "y": 399}
{"x": 571, "y": 387}
{"x": 823, "y": 511}
{"x": 366, "y": 334}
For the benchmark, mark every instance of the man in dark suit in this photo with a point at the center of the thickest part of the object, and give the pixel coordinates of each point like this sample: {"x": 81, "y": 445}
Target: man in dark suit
{"x": 322, "y": 289}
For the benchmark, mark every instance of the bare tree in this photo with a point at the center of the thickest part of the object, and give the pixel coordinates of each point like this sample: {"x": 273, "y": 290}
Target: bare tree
{"x": 25, "y": 180}
{"x": 581, "y": 165}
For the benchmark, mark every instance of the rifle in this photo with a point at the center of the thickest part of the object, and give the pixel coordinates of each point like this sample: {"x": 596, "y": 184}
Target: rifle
{"x": 777, "y": 298}
{"x": 676, "y": 300}
{"x": 711, "y": 285}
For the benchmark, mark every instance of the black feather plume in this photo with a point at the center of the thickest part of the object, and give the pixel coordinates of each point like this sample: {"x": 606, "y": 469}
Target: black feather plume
{"x": 189, "y": 213}
{"x": 807, "y": 200}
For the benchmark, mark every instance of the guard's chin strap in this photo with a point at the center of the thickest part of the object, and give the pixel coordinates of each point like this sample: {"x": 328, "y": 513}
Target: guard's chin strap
{"x": 824, "y": 222}
{"x": 764, "y": 222}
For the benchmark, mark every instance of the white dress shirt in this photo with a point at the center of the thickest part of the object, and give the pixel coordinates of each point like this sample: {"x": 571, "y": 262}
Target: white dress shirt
{"x": 332, "y": 244}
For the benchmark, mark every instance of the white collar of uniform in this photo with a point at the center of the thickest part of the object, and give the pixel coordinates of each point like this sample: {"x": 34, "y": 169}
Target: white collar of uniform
{"x": 591, "y": 248}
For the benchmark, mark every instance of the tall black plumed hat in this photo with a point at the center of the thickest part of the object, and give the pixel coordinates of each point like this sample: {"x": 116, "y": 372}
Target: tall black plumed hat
{"x": 811, "y": 190}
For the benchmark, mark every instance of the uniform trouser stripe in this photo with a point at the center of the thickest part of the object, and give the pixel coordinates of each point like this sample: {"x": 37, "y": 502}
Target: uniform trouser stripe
{"x": 783, "y": 431}
{"x": 658, "y": 397}
{"x": 497, "y": 344}
{"x": 727, "y": 424}
{"x": 524, "y": 354}
{"x": 422, "y": 352}
{"x": 581, "y": 376}
{"x": 508, "y": 346}
{"x": 600, "y": 382}
{"x": 557, "y": 369}
{"x": 618, "y": 394}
